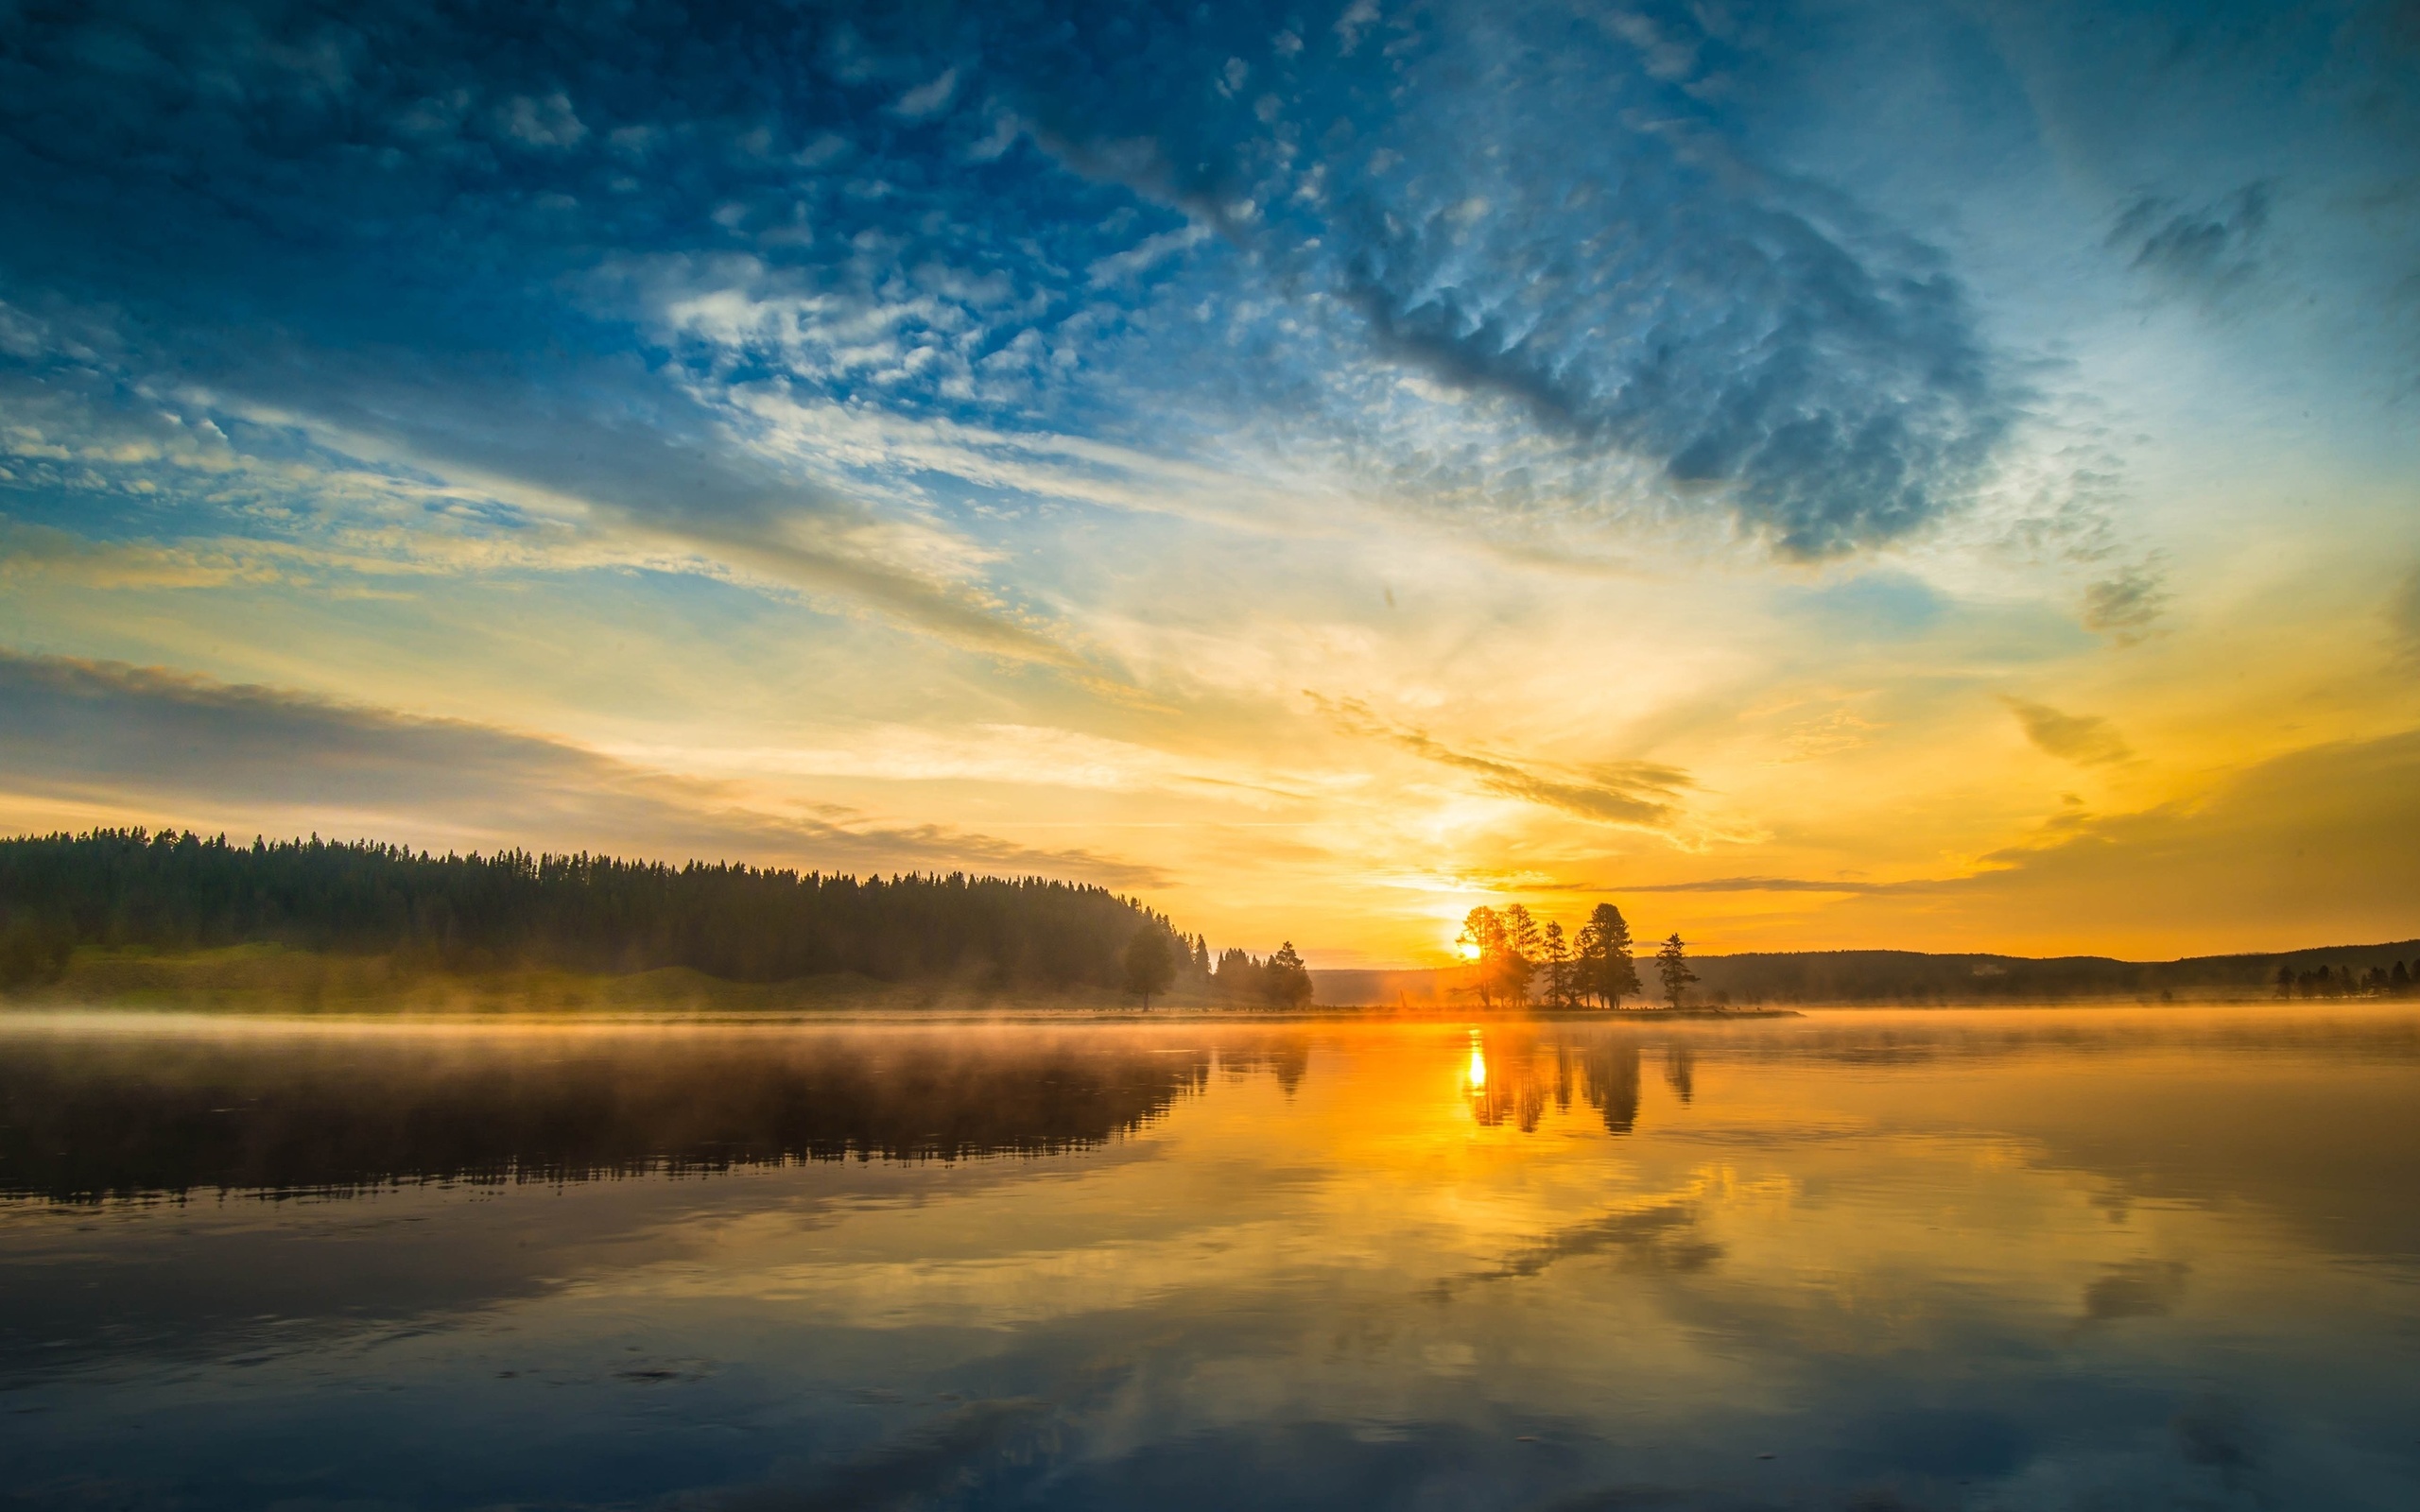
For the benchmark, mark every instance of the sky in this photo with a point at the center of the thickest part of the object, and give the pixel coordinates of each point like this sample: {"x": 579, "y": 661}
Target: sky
{"x": 1943, "y": 477}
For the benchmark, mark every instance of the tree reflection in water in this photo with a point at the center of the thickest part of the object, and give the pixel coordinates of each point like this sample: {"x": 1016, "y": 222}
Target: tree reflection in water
{"x": 81, "y": 1121}
{"x": 1681, "y": 1070}
{"x": 1514, "y": 1074}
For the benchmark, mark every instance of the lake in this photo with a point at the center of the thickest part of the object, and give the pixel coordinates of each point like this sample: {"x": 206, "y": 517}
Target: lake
{"x": 2014, "y": 1258}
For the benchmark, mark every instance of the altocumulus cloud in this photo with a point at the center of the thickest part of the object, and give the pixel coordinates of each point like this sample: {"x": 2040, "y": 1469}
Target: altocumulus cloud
{"x": 554, "y": 255}
{"x": 1531, "y": 201}
{"x": 84, "y": 730}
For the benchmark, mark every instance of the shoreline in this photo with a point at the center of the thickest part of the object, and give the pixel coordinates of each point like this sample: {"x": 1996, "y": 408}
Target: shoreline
{"x": 23, "y": 1012}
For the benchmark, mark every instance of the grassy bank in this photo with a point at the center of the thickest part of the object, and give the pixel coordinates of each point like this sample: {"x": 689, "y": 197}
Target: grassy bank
{"x": 265, "y": 978}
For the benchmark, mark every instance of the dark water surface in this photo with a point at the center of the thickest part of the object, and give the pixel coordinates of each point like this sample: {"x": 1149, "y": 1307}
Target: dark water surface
{"x": 2071, "y": 1260}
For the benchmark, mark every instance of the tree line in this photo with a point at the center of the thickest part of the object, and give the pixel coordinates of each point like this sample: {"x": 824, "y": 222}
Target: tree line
{"x": 1515, "y": 957}
{"x": 2323, "y": 981}
{"x": 171, "y": 891}
{"x": 1155, "y": 964}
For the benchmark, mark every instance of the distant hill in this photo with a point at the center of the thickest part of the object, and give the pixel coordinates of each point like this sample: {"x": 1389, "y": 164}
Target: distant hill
{"x": 1915, "y": 978}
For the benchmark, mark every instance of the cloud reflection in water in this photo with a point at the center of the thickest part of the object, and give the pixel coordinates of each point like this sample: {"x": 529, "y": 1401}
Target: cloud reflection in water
{"x": 1917, "y": 1259}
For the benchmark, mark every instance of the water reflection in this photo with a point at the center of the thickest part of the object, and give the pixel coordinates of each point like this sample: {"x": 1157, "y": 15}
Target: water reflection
{"x": 331, "y": 1111}
{"x": 1535, "y": 1069}
{"x": 1681, "y": 1070}
{"x": 1947, "y": 1261}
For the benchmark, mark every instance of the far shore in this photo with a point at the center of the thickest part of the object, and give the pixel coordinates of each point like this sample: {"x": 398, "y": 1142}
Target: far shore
{"x": 267, "y": 980}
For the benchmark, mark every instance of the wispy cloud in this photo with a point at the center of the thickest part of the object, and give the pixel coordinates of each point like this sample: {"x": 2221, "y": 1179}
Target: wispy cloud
{"x": 1640, "y": 794}
{"x": 2403, "y": 618}
{"x": 135, "y": 737}
{"x": 2205, "y": 250}
{"x": 2125, "y": 606}
{"x": 2307, "y": 847}
{"x": 2087, "y": 740}
{"x": 674, "y": 491}
{"x": 1781, "y": 885}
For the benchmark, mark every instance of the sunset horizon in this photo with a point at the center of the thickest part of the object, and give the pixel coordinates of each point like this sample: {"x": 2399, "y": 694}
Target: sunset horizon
{"x": 1939, "y": 480}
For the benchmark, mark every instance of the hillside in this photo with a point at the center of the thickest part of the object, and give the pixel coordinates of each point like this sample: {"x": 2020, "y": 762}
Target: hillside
{"x": 1912, "y": 977}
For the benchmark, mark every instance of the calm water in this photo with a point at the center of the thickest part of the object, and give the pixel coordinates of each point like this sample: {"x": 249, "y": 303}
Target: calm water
{"x": 2089, "y": 1260}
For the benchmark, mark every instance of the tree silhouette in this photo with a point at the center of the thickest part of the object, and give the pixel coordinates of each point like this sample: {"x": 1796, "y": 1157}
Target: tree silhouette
{"x": 1555, "y": 955}
{"x": 1522, "y": 944}
{"x": 1289, "y": 981}
{"x": 120, "y": 888}
{"x": 1150, "y": 967}
{"x": 1483, "y": 932}
{"x": 1508, "y": 944}
{"x": 1606, "y": 970}
{"x": 1672, "y": 965}
{"x": 1238, "y": 976}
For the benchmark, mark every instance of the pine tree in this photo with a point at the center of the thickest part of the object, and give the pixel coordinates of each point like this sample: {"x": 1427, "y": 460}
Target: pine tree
{"x": 1556, "y": 956}
{"x": 1605, "y": 969}
{"x": 1239, "y": 977}
{"x": 1483, "y": 933}
{"x": 1672, "y": 965}
{"x": 1150, "y": 967}
{"x": 1289, "y": 979}
{"x": 1522, "y": 943}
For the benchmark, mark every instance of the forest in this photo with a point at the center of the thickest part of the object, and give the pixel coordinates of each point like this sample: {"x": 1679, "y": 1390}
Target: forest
{"x": 119, "y": 889}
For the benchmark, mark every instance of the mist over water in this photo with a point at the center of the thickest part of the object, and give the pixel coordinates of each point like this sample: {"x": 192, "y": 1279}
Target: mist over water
{"x": 1989, "y": 1259}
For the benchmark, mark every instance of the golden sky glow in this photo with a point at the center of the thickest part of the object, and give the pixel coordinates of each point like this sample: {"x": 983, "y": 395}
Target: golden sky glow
{"x": 2021, "y": 554}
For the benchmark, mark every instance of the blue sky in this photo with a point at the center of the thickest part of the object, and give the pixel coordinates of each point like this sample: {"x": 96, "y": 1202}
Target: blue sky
{"x": 1329, "y": 465}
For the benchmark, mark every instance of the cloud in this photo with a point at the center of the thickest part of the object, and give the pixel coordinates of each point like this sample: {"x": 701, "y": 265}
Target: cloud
{"x": 2205, "y": 250}
{"x": 2125, "y": 606}
{"x": 1563, "y": 220}
{"x": 2403, "y": 618}
{"x": 927, "y": 98}
{"x": 2306, "y": 849}
{"x": 1772, "y": 885}
{"x": 2311, "y": 847}
{"x": 2087, "y": 740}
{"x": 1634, "y": 793}
{"x": 1119, "y": 268}
{"x": 541, "y": 122}
{"x": 1843, "y": 730}
{"x": 1555, "y": 229}
{"x": 663, "y": 491}
{"x": 439, "y": 312}
{"x": 139, "y": 740}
